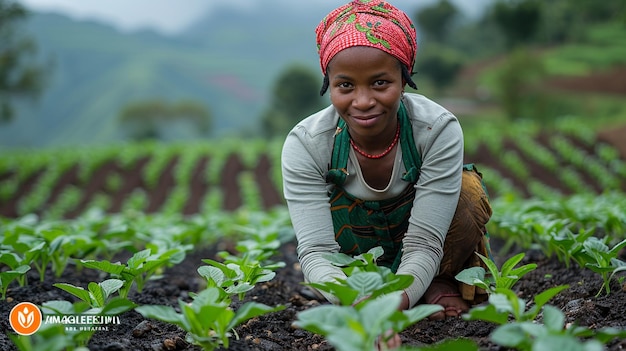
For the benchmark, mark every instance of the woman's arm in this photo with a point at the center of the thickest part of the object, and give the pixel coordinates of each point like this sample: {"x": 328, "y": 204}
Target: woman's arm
{"x": 306, "y": 193}
{"x": 436, "y": 197}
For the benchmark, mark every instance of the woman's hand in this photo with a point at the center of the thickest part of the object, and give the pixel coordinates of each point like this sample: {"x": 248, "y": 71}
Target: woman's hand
{"x": 388, "y": 341}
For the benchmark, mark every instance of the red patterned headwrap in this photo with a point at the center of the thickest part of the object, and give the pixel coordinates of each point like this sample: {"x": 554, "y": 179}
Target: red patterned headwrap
{"x": 372, "y": 23}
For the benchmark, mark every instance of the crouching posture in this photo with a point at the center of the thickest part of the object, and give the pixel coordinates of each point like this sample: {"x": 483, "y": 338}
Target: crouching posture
{"x": 381, "y": 167}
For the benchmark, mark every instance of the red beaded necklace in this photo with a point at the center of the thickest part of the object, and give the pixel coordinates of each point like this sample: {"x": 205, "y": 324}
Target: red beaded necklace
{"x": 382, "y": 154}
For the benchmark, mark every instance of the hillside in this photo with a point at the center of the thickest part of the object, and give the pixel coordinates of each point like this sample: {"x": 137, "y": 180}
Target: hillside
{"x": 223, "y": 61}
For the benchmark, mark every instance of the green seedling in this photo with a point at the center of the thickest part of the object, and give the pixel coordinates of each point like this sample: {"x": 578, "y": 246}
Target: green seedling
{"x": 17, "y": 272}
{"x": 602, "y": 260}
{"x": 208, "y": 319}
{"x": 358, "y": 328}
{"x": 50, "y": 337}
{"x": 568, "y": 245}
{"x": 260, "y": 246}
{"x": 98, "y": 296}
{"x": 232, "y": 278}
{"x": 76, "y": 336}
{"x": 497, "y": 279}
{"x": 141, "y": 267}
{"x": 504, "y": 304}
{"x": 365, "y": 279}
{"x": 360, "y": 285}
{"x": 526, "y": 334}
{"x": 363, "y": 262}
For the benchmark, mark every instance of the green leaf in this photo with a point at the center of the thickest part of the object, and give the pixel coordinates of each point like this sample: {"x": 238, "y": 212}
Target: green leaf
{"x": 161, "y": 313}
{"x": 473, "y": 276}
{"x": 75, "y": 290}
{"x": 325, "y": 319}
{"x": 542, "y": 298}
{"x": 420, "y": 312}
{"x": 339, "y": 259}
{"x": 111, "y": 286}
{"x": 250, "y": 310}
{"x": 105, "y": 266}
{"x": 560, "y": 342}
{"x": 487, "y": 313}
{"x": 553, "y": 318}
{"x": 96, "y": 294}
{"x": 138, "y": 259}
{"x": 510, "y": 335}
{"x": 364, "y": 282}
{"x": 117, "y": 306}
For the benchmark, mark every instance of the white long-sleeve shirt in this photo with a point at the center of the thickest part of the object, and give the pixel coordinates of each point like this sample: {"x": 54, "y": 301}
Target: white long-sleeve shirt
{"x": 306, "y": 156}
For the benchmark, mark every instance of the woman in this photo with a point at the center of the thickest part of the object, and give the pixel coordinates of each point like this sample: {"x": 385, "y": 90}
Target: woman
{"x": 383, "y": 168}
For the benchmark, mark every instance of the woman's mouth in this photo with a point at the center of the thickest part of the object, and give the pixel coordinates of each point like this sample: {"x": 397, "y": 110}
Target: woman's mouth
{"x": 366, "y": 121}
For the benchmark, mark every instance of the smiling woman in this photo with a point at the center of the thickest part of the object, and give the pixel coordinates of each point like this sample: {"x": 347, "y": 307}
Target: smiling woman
{"x": 381, "y": 167}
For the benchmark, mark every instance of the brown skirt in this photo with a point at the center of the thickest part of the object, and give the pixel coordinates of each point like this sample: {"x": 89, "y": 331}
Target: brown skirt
{"x": 467, "y": 235}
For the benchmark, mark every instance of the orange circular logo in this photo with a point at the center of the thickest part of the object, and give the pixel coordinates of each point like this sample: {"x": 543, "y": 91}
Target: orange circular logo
{"x": 25, "y": 318}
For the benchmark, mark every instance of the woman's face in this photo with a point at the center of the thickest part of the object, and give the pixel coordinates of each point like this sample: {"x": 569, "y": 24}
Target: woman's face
{"x": 365, "y": 88}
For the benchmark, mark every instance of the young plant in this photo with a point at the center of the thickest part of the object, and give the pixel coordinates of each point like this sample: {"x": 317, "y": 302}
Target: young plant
{"x": 525, "y": 333}
{"x": 504, "y": 278}
{"x": 17, "y": 271}
{"x": 73, "y": 339}
{"x": 208, "y": 319}
{"x": 98, "y": 296}
{"x": 234, "y": 279}
{"x": 355, "y": 328}
{"x": 365, "y": 279}
{"x": 602, "y": 260}
{"x": 142, "y": 266}
{"x": 505, "y": 304}
{"x": 50, "y": 337}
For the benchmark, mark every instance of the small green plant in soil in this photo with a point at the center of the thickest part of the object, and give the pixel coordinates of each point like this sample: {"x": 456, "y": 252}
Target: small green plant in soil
{"x": 525, "y": 333}
{"x": 99, "y": 296}
{"x": 352, "y": 328}
{"x": 208, "y": 319}
{"x": 503, "y": 278}
{"x": 233, "y": 278}
{"x": 364, "y": 278}
{"x": 142, "y": 266}
{"x": 16, "y": 272}
{"x": 50, "y": 337}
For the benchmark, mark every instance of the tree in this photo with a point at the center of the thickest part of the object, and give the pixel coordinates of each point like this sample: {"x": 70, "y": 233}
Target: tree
{"x": 153, "y": 119}
{"x": 519, "y": 20}
{"x": 436, "y": 20}
{"x": 439, "y": 63}
{"x": 20, "y": 76}
{"x": 295, "y": 95}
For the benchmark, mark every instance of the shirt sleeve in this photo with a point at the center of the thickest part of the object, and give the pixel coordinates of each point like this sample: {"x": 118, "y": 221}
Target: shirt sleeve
{"x": 436, "y": 197}
{"x": 306, "y": 194}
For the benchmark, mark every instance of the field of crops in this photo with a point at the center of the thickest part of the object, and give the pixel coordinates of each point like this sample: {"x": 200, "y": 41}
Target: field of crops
{"x": 189, "y": 247}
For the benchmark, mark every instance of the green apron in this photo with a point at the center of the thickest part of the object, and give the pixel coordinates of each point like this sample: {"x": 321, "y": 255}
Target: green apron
{"x": 362, "y": 225}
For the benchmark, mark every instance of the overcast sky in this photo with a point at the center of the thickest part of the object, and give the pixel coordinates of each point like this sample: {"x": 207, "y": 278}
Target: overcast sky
{"x": 172, "y": 16}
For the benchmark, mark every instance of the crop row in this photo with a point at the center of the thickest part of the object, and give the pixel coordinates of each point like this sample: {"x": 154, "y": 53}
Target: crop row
{"x": 521, "y": 160}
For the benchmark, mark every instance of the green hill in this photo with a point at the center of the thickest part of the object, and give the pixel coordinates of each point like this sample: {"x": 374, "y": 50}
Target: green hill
{"x": 225, "y": 61}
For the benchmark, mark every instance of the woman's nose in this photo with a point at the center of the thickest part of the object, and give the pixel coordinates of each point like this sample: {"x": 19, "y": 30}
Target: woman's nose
{"x": 363, "y": 100}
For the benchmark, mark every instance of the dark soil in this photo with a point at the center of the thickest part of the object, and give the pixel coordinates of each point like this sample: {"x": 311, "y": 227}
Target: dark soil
{"x": 274, "y": 332}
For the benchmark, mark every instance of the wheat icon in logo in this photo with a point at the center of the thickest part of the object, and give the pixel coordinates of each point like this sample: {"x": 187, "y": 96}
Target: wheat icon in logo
{"x": 25, "y": 318}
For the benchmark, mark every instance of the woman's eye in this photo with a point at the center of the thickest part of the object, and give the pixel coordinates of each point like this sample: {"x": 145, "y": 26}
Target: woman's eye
{"x": 344, "y": 85}
{"x": 380, "y": 82}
